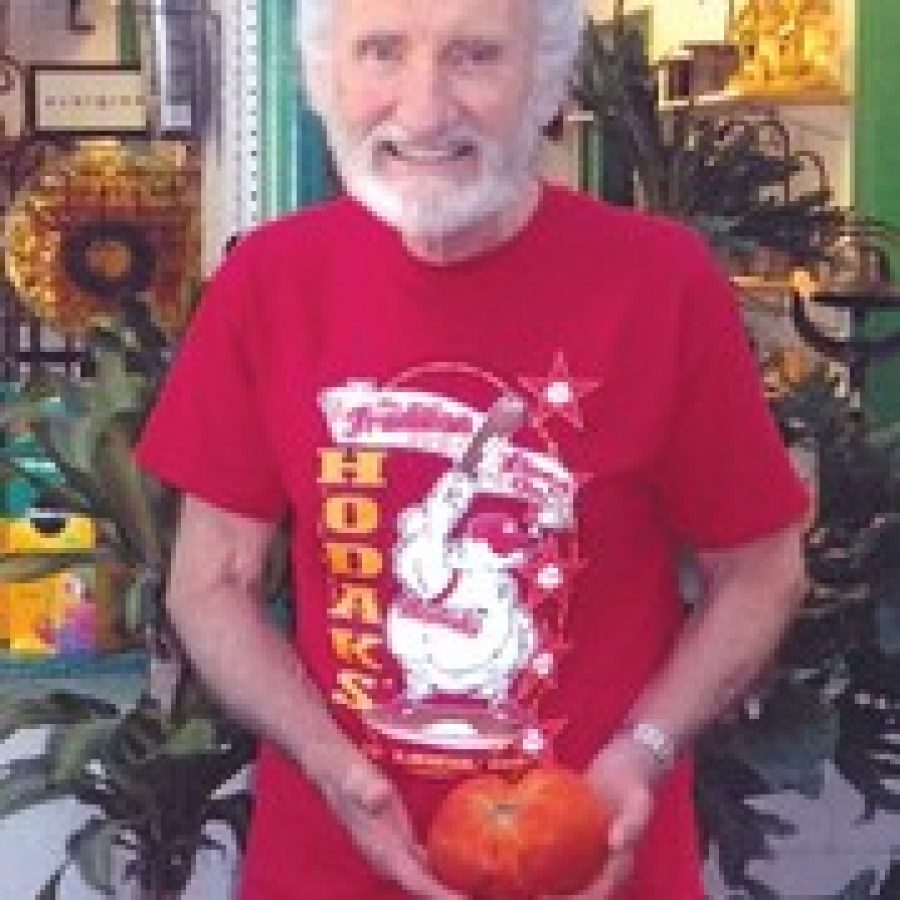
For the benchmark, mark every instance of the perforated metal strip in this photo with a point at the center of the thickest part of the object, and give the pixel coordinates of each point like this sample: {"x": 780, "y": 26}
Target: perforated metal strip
{"x": 241, "y": 113}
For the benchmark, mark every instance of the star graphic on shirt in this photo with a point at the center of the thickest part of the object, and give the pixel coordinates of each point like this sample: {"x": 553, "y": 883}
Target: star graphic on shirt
{"x": 558, "y": 394}
{"x": 540, "y": 675}
{"x": 538, "y": 741}
{"x": 544, "y": 574}
{"x": 548, "y": 573}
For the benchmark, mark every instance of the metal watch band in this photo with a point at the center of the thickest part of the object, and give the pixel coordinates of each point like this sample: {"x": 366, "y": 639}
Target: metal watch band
{"x": 656, "y": 741}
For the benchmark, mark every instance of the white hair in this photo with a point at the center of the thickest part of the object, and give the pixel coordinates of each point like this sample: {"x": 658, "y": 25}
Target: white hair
{"x": 559, "y": 28}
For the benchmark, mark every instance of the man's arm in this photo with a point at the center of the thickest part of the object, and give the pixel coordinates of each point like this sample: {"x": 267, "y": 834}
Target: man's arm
{"x": 214, "y": 601}
{"x": 752, "y": 594}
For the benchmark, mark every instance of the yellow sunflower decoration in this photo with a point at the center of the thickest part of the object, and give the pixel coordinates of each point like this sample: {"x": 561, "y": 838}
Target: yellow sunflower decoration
{"x": 102, "y": 224}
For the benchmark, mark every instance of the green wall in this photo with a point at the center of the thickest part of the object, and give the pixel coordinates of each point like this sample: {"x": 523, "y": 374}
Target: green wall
{"x": 878, "y": 157}
{"x": 292, "y": 147}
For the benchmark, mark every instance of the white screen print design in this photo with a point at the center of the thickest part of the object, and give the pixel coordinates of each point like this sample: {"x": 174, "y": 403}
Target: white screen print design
{"x": 458, "y": 625}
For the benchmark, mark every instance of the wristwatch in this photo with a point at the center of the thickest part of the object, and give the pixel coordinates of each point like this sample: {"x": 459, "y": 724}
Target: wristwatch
{"x": 653, "y": 739}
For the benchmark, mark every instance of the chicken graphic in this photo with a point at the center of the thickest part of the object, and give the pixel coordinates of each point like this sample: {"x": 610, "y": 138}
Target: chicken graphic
{"x": 458, "y": 627}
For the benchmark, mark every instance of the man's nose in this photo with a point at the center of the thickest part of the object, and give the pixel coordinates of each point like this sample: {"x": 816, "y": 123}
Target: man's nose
{"x": 424, "y": 102}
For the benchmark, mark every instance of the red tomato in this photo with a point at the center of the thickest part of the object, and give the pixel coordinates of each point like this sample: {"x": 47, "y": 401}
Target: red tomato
{"x": 494, "y": 839}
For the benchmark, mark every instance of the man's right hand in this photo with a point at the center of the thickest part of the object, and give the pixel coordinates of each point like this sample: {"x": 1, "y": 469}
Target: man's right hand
{"x": 213, "y": 597}
{"x": 369, "y": 807}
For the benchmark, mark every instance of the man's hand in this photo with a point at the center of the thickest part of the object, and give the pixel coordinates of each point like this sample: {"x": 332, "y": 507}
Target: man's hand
{"x": 372, "y": 812}
{"x": 624, "y": 776}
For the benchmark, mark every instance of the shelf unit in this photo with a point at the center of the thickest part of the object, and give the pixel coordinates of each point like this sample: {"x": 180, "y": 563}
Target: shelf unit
{"x": 725, "y": 101}
{"x": 20, "y": 674}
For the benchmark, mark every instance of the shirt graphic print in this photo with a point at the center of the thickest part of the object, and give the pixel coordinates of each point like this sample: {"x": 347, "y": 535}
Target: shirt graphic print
{"x": 448, "y": 622}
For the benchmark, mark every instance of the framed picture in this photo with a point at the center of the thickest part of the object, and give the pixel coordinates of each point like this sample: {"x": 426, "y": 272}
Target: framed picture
{"x": 86, "y": 100}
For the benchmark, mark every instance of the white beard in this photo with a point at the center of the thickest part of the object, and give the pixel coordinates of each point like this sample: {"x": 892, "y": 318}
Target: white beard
{"x": 433, "y": 206}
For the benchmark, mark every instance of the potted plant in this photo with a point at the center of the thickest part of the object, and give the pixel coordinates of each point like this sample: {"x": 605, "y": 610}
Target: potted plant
{"x": 832, "y": 696}
{"x": 735, "y": 179}
{"x": 152, "y": 774}
{"x": 154, "y": 782}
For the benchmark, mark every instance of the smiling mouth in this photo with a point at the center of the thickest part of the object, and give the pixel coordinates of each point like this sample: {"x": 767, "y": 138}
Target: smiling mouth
{"x": 428, "y": 156}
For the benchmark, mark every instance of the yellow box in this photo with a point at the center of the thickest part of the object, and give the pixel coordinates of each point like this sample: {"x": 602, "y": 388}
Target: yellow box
{"x": 55, "y": 614}
{"x": 35, "y": 610}
{"x": 68, "y": 612}
{"x": 43, "y": 532}
{"x": 4, "y": 616}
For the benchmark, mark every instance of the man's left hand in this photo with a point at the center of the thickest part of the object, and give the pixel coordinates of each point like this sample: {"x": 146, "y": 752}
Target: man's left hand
{"x": 624, "y": 777}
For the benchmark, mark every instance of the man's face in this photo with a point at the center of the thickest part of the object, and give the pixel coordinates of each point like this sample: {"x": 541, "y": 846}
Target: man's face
{"x": 428, "y": 109}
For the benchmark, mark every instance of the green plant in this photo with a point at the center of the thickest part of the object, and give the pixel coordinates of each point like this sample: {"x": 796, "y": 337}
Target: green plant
{"x": 153, "y": 773}
{"x": 152, "y": 780}
{"x": 87, "y": 428}
{"x": 832, "y": 696}
{"x": 737, "y": 180}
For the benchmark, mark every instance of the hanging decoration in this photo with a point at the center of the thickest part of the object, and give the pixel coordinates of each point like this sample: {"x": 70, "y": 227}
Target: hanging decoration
{"x": 108, "y": 259}
{"x": 103, "y": 224}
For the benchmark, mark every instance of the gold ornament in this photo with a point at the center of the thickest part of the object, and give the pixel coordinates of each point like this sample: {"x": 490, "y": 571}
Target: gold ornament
{"x": 101, "y": 224}
{"x": 786, "y": 47}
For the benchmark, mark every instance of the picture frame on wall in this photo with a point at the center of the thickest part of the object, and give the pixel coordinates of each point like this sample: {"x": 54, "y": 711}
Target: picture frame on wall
{"x": 86, "y": 100}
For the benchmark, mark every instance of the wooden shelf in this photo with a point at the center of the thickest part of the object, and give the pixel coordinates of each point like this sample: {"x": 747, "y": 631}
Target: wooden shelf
{"x": 726, "y": 100}
{"x": 119, "y": 679}
{"x": 774, "y": 292}
{"x": 756, "y": 284}
{"x": 129, "y": 662}
{"x": 770, "y": 293}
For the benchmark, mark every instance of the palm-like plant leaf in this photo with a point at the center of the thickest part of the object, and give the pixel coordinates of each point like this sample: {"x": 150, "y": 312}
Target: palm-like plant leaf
{"x": 28, "y": 782}
{"x": 725, "y": 176}
{"x": 868, "y": 754}
{"x": 728, "y": 820}
{"x": 58, "y": 708}
{"x": 91, "y": 848}
{"x": 56, "y": 441}
{"x": 50, "y": 891}
{"x": 789, "y": 742}
{"x": 28, "y": 407}
{"x": 890, "y": 887}
{"x": 19, "y": 567}
{"x": 127, "y": 493}
{"x": 233, "y": 811}
{"x": 71, "y": 748}
{"x": 58, "y": 493}
{"x": 862, "y": 887}
{"x": 153, "y": 777}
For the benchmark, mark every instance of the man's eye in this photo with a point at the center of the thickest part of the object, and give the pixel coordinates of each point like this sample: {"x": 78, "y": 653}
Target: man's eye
{"x": 484, "y": 52}
{"x": 379, "y": 49}
{"x": 477, "y": 53}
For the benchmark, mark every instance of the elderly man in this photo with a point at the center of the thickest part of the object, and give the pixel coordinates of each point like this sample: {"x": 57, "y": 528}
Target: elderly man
{"x": 495, "y": 412}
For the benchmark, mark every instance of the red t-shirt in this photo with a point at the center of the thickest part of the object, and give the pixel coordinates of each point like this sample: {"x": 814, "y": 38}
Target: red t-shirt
{"x": 490, "y": 468}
